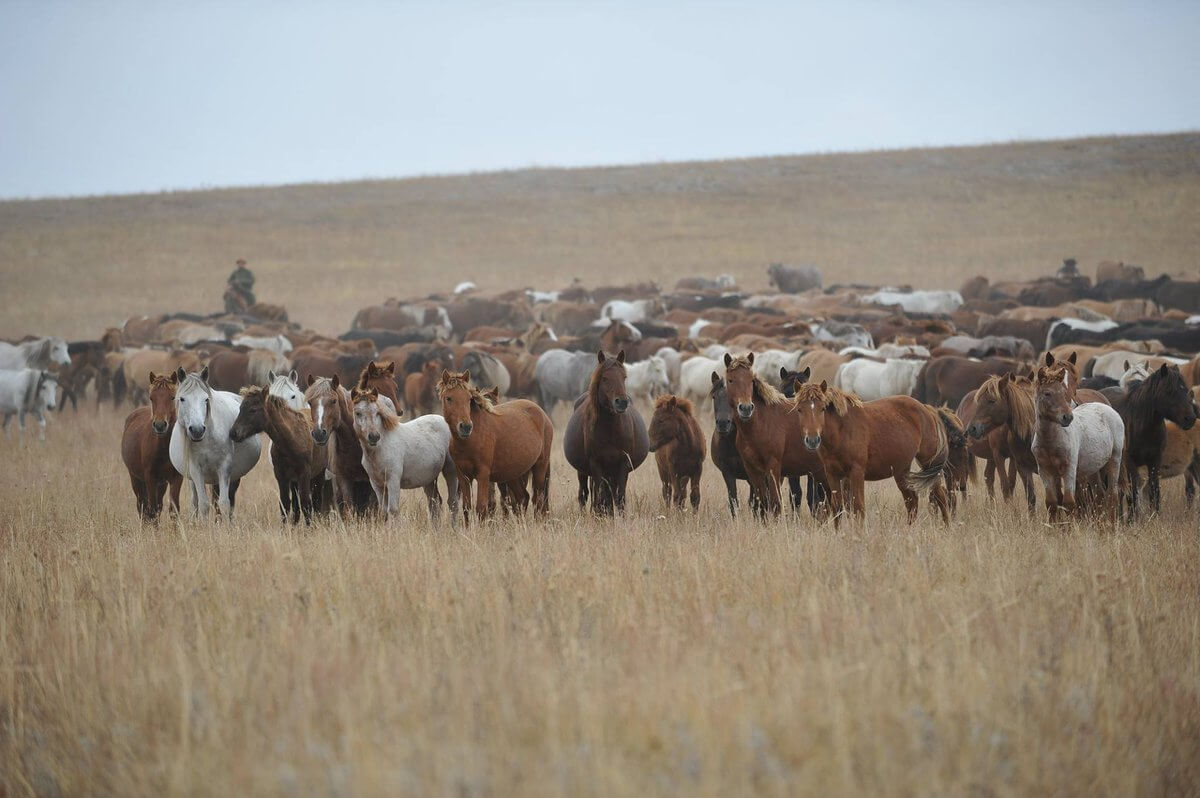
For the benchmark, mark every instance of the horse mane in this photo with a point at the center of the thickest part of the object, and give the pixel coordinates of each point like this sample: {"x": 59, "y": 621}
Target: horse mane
{"x": 841, "y": 401}
{"x": 191, "y": 382}
{"x": 321, "y": 387}
{"x": 1020, "y": 404}
{"x": 451, "y": 380}
{"x": 1143, "y": 395}
{"x": 163, "y": 380}
{"x": 678, "y": 401}
{"x": 764, "y": 392}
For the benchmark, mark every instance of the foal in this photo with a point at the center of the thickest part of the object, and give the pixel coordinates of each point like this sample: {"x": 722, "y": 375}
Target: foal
{"x": 145, "y": 449}
{"x": 297, "y": 460}
{"x": 678, "y": 447}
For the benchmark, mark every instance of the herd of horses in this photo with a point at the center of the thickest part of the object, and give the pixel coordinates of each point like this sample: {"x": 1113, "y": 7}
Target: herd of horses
{"x": 1090, "y": 387}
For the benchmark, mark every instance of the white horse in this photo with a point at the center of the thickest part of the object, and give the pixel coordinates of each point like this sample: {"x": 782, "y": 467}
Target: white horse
{"x": 846, "y": 333}
{"x": 279, "y": 344}
{"x": 40, "y": 353}
{"x": 918, "y": 301}
{"x": 647, "y": 378}
{"x": 695, "y": 377}
{"x": 696, "y": 327}
{"x": 201, "y": 448}
{"x": 404, "y": 456}
{"x": 872, "y": 380}
{"x": 672, "y": 358}
{"x": 1072, "y": 444}
{"x": 1114, "y": 364}
{"x": 768, "y": 363}
{"x": 24, "y": 391}
{"x": 885, "y": 351}
{"x": 715, "y": 352}
{"x": 1138, "y": 371}
{"x": 631, "y": 311}
{"x": 286, "y": 388}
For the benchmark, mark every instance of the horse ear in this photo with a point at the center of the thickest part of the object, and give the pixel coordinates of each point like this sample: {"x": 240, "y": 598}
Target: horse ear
{"x": 1165, "y": 370}
{"x": 750, "y": 358}
{"x": 311, "y": 378}
{"x": 783, "y": 372}
{"x": 390, "y": 368}
{"x": 271, "y": 375}
{"x": 465, "y": 376}
{"x": 204, "y": 375}
{"x": 600, "y": 356}
{"x": 445, "y": 375}
{"x": 174, "y": 379}
{"x": 621, "y": 356}
{"x": 152, "y": 378}
{"x": 715, "y": 378}
{"x": 294, "y": 376}
{"x": 1073, "y": 359}
{"x": 335, "y": 382}
{"x": 1006, "y": 378}
{"x": 824, "y": 386}
{"x": 804, "y": 375}
{"x": 1126, "y": 368}
{"x": 180, "y": 374}
{"x": 728, "y": 359}
{"x": 1049, "y": 358}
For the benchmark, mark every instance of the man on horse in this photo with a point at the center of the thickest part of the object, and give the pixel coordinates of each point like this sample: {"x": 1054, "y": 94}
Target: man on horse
{"x": 239, "y": 292}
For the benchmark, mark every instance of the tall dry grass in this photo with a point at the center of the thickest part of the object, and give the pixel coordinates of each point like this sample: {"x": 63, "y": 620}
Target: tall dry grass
{"x": 657, "y": 654}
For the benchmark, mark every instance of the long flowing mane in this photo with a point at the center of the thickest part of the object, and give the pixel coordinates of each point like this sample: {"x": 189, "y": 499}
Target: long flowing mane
{"x": 387, "y": 416}
{"x": 1145, "y": 396}
{"x": 451, "y": 380}
{"x": 1022, "y": 414}
{"x": 763, "y": 392}
{"x": 670, "y": 399}
{"x": 839, "y": 400}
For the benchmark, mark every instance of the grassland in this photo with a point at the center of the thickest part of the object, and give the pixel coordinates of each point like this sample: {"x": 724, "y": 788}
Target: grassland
{"x": 655, "y": 655}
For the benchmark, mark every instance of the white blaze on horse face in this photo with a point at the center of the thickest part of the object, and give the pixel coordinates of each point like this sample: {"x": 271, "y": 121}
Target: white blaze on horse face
{"x": 320, "y": 414}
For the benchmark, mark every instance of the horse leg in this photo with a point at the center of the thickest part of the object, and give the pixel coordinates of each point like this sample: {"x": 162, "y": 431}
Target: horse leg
{"x": 618, "y": 499}
{"x": 1135, "y": 488}
{"x": 139, "y": 493}
{"x": 989, "y": 477}
{"x": 731, "y": 491}
{"x": 664, "y": 475}
{"x": 541, "y": 487}
{"x": 284, "y": 497}
{"x": 483, "y": 494}
{"x": 433, "y": 500}
{"x": 858, "y": 493}
{"x": 452, "y": 479}
{"x": 200, "y": 502}
{"x": 695, "y": 494}
{"x": 1112, "y": 476}
{"x": 941, "y": 497}
{"x": 306, "y": 499}
{"x": 224, "y": 506}
{"x": 681, "y": 484}
{"x": 1153, "y": 487}
{"x": 796, "y": 492}
{"x": 911, "y": 502}
{"x": 1189, "y": 483}
{"x": 583, "y": 489}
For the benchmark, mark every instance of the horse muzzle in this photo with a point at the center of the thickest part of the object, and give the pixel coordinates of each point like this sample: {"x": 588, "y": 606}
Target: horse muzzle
{"x": 745, "y": 411}
{"x": 196, "y": 433}
{"x": 812, "y": 442}
{"x": 320, "y": 436}
{"x": 465, "y": 429}
{"x": 724, "y": 425}
{"x": 976, "y": 430}
{"x": 373, "y": 439}
{"x": 160, "y": 427}
{"x": 620, "y": 405}
{"x": 1066, "y": 418}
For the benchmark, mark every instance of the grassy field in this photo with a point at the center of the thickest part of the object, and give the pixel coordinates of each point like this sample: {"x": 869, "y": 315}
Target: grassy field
{"x": 654, "y": 655}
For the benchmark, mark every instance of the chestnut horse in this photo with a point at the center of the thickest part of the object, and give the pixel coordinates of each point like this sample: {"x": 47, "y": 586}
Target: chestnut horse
{"x": 1074, "y": 442}
{"x": 877, "y": 440}
{"x": 420, "y": 389}
{"x": 333, "y": 422}
{"x": 678, "y": 447}
{"x": 992, "y": 448}
{"x": 606, "y": 437}
{"x": 1004, "y": 407}
{"x": 381, "y": 377}
{"x": 145, "y": 448}
{"x": 769, "y": 437}
{"x": 490, "y": 443}
{"x": 1160, "y": 397}
{"x": 298, "y": 462}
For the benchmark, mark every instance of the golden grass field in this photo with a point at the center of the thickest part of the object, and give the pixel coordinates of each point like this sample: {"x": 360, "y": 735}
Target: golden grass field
{"x": 657, "y": 654}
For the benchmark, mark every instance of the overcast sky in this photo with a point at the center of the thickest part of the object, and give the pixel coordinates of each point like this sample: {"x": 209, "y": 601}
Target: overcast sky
{"x": 100, "y": 97}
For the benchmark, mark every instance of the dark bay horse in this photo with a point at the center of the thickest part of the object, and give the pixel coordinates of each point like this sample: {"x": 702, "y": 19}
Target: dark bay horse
{"x": 1163, "y": 396}
{"x": 723, "y": 448}
{"x": 678, "y": 447}
{"x": 145, "y": 449}
{"x": 298, "y": 462}
{"x": 769, "y": 436}
{"x": 860, "y": 442}
{"x": 605, "y": 438}
{"x": 333, "y": 421}
{"x": 506, "y": 444}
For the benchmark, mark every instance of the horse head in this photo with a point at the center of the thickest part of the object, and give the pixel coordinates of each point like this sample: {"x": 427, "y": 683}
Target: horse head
{"x": 607, "y": 386}
{"x": 458, "y": 401}
{"x": 739, "y": 384}
{"x": 162, "y": 402}
{"x": 1171, "y": 396}
{"x": 252, "y": 414}
{"x": 323, "y": 396}
{"x": 371, "y": 416}
{"x": 193, "y": 403}
{"x": 721, "y": 408}
{"x": 1052, "y": 394}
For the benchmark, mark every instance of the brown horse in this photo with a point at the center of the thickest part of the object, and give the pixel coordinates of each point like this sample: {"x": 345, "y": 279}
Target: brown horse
{"x": 606, "y": 437}
{"x": 145, "y": 448}
{"x": 420, "y": 389}
{"x": 491, "y": 443}
{"x": 723, "y": 447}
{"x": 380, "y": 376}
{"x": 877, "y": 440}
{"x": 946, "y": 380}
{"x": 299, "y": 463}
{"x": 992, "y": 449}
{"x": 960, "y": 466}
{"x": 1004, "y": 406}
{"x": 333, "y": 421}
{"x": 769, "y": 436}
{"x": 678, "y": 447}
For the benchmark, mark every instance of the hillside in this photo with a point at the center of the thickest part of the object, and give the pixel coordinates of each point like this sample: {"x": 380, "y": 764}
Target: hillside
{"x": 928, "y": 217}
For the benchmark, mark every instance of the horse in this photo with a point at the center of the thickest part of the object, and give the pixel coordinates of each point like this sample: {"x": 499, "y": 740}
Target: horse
{"x": 296, "y": 459}
{"x": 145, "y": 449}
{"x": 1073, "y": 443}
{"x": 420, "y": 389}
{"x": 24, "y": 391}
{"x": 870, "y": 379}
{"x": 279, "y": 344}
{"x": 1004, "y": 406}
{"x": 201, "y": 448}
{"x": 486, "y": 371}
{"x": 39, "y": 353}
{"x": 561, "y": 376}
{"x": 723, "y": 447}
{"x": 694, "y": 374}
{"x": 87, "y": 363}
{"x": 678, "y": 447}
{"x": 605, "y": 438}
{"x": 647, "y": 379}
{"x": 992, "y": 448}
{"x": 506, "y": 444}
{"x": 1163, "y": 396}
{"x": 287, "y": 388}
{"x": 404, "y": 456}
{"x": 382, "y": 377}
{"x": 946, "y": 380}
{"x": 768, "y": 435}
{"x": 859, "y": 442}
{"x": 960, "y": 466}
{"x": 943, "y": 302}
{"x": 333, "y": 422}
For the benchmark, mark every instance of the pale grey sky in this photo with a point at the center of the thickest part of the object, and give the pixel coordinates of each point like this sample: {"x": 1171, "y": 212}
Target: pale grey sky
{"x": 117, "y": 97}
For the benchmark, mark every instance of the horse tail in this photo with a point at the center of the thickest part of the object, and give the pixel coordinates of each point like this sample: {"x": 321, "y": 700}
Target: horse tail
{"x": 972, "y": 468}
{"x": 931, "y": 474}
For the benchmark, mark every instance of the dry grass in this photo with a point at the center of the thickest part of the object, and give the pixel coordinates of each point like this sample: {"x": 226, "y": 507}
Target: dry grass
{"x": 650, "y": 656}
